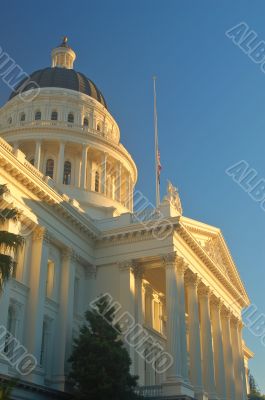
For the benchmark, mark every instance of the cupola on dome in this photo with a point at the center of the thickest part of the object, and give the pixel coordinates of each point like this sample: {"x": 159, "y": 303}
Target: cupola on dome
{"x": 61, "y": 75}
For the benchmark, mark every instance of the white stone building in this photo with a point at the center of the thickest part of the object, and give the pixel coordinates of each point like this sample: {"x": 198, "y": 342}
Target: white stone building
{"x": 73, "y": 181}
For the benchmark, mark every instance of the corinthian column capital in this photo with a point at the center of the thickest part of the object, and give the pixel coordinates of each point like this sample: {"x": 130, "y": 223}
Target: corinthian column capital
{"x": 40, "y": 233}
{"x": 204, "y": 291}
{"x": 226, "y": 312}
{"x": 138, "y": 270}
{"x": 192, "y": 279}
{"x": 171, "y": 258}
{"x": 216, "y": 302}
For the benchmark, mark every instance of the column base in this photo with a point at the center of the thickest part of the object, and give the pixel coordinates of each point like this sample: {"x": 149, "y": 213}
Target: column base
{"x": 200, "y": 395}
{"x": 175, "y": 386}
{"x": 213, "y": 396}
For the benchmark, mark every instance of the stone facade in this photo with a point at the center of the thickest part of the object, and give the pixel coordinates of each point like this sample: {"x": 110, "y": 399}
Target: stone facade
{"x": 73, "y": 182}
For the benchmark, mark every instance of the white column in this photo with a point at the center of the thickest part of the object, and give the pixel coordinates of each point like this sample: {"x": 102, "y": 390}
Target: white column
{"x": 228, "y": 354}
{"x": 207, "y": 342}
{"x": 118, "y": 182}
{"x": 240, "y": 381}
{"x": 60, "y": 163}
{"x": 176, "y": 375}
{"x": 139, "y": 318}
{"x": 241, "y": 353}
{"x": 218, "y": 348}
{"x": 16, "y": 146}
{"x": 65, "y": 319}
{"x": 192, "y": 280}
{"x": 127, "y": 300}
{"x": 181, "y": 268}
{"x": 37, "y": 293}
{"x": 173, "y": 320}
{"x": 37, "y": 154}
{"x": 104, "y": 174}
{"x": 83, "y": 184}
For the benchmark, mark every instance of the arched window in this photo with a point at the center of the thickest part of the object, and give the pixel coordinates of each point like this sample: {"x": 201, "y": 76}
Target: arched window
{"x": 85, "y": 122}
{"x": 71, "y": 118}
{"x": 54, "y": 116}
{"x": 37, "y": 115}
{"x": 98, "y": 127}
{"x": 67, "y": 173}
{"x": 9, "y": 120}
{"x": 22, "y": 117}
{"x": 49, "y": 167}
{"x": 96, "y": 181}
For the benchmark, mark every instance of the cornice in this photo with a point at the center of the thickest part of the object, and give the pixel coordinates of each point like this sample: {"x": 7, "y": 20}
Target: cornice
{"x": 37, "y": 184}
{"x": 133, "y": 233}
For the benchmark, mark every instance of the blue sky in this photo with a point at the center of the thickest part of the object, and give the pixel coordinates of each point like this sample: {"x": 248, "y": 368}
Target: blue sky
{"x": 211, "y": 101}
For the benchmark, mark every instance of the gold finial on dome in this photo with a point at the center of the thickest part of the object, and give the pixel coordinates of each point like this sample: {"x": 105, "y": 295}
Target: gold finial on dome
{"x": 65, "y": 40}
{"x": 63, "y": 56}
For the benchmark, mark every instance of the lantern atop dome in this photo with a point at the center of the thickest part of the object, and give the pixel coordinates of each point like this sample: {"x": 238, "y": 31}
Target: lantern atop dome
{"x": 63, "y": 56}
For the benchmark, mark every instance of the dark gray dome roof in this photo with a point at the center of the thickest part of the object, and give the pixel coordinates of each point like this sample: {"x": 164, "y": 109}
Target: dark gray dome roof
{"x": 61, "y": 78}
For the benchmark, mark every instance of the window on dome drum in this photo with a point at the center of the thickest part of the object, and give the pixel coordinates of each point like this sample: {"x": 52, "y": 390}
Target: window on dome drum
{"x": 96, "y": 181}
{"x": 22, "y": 117}
{"x": 71, "y": 118}
{"x": 9, "y": 120}
{"x": 85, "y": 122}
{"x": 54, "y": 116}
{"x": 37, "y": 115}
{"x": 49, "y": 167}
{"x": 67, "y": 173}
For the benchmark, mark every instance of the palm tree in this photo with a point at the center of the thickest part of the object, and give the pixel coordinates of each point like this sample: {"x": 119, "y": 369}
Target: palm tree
{"x": 9, "y": 242}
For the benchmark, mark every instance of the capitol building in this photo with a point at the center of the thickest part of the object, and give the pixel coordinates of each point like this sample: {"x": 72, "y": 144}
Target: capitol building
{"x": 88, "y": 232}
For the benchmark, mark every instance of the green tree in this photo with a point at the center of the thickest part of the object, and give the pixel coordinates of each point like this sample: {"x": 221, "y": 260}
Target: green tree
{"x": 6, "y": 388}
{"x": 254, "y": 390}
{"x": 9, "y": 242}
{"x": 100, "y": 362}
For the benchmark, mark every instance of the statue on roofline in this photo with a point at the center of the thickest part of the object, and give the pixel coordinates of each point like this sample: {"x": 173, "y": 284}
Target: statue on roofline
{"x": 173, "y": 197}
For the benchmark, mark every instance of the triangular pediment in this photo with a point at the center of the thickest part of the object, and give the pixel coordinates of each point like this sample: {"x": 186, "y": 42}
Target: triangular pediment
{"x": 211, "y": 240}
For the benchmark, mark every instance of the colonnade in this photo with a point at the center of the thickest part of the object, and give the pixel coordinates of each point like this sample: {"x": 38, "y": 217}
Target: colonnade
{"x": 112, "y": 181}
{"x": 207, "y": 346}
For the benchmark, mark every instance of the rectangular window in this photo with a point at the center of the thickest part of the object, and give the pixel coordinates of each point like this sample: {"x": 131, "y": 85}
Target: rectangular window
{"x": 50, "y": 279}
{"x": 156, "y": 316}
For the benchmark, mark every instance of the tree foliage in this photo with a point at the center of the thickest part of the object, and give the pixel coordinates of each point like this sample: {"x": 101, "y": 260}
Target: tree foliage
{"x": 9, "y": 242}
{"x": 254, "y": 390}
{"x": 100, "y": 362}
{"x": 6, "y": 388}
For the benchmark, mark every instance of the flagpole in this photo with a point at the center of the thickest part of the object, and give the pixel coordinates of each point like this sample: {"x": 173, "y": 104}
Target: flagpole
{"x": 156, "y": 149}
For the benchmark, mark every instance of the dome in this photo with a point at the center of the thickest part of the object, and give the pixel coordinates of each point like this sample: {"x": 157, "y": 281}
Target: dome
{"x": 56, "y": 77}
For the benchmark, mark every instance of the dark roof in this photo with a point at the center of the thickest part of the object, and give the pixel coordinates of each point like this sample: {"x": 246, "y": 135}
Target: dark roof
{"x": 61, "y": 78}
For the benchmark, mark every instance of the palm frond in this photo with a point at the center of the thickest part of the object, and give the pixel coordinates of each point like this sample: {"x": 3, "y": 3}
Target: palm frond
{"x": 6, "y": 268}
{"x": 9, "y": 213}
{"x": 3, "y": 189}
{"x": 10, "y": 241}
